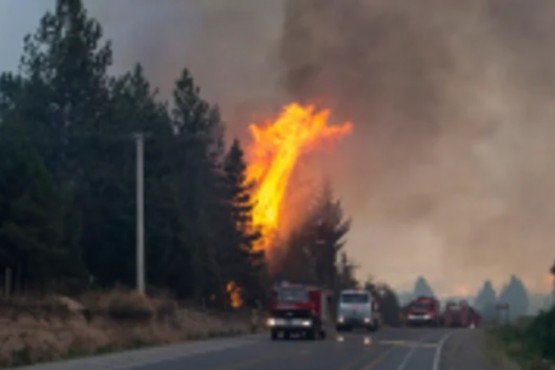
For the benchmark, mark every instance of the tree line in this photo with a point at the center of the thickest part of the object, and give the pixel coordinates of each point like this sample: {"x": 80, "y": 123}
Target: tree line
{"x": 67, "y": 178}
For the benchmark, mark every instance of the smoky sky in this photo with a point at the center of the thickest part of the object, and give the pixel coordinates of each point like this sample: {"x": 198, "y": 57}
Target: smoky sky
{"x": 450, "y": 168}
{"x": 449, "y": 172}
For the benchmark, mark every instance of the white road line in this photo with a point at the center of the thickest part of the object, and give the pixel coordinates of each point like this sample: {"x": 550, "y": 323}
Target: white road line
{"x": 437, "y": 356}
{"x": 407, "y": 358}
{"x": 420, "y": 344}
{"x": 411, "y": 352}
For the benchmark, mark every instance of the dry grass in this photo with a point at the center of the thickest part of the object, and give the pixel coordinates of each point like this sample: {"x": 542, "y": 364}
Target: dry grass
{"x": 51, "y": 328}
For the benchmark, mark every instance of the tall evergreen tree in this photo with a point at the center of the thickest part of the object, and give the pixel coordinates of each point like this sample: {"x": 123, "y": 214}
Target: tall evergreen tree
{"x": 65, "y": 66}
{"x": 486, "y": 300}
{"x": 37, "y": 232}
{"x": 199, "y": 137}
{"x": 314, "y": 246}
{"x": 422, "y": 288}
{"x": 345, "y": 273}
{"x": 241, "y": 262}
{"x": 514, "y": 293}
{"x": 63, "y": 104}
{"x": 388, "y": 303}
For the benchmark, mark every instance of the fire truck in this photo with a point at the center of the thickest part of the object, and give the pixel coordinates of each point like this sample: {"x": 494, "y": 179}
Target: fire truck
{"x": 460, "y": 315}
{"x": 357, "y": 309}
{"x": 299, "y": 310}
{"x": 423, "y": 311}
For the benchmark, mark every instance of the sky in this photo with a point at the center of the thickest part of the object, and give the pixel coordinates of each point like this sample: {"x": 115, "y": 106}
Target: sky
{"x": 448, "y": 173}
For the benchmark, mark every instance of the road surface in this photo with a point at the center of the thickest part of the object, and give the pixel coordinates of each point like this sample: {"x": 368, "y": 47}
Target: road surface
{"x": 389, "y": 349}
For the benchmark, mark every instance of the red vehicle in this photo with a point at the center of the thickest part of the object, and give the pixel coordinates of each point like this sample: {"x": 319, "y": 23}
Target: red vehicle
{"x": 424, "y": 311}
{"x": 460, "y": 315}
{"x": 299, "y": 310}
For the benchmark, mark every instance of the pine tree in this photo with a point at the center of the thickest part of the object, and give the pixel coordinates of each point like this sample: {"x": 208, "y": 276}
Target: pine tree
{"x": 313, "y": 247}
{"x": 37, "y": 234}
{"x": 486, "y": 300}
{"x": 388, "y": 303}
{"x": 198, "y": 164}
{"x": 514, "y": 293}
{"x": 345, "y": 271}
{"x": 63, "y": 103}
{"x": 422, "y": 288}
{"x": 242, "y": 264}
{"x": 65, "y": 68}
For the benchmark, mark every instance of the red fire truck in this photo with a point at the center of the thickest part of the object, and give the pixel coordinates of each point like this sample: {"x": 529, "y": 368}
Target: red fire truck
{"x": 460, "y": 315}
{"x": 423, "y": 311}
{"x": 299, "y": 310}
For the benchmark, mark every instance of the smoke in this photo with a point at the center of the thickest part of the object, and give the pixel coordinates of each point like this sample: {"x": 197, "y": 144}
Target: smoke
{"x": 450, "y": 169}
{"x": 229, "y": 47}
{"x": 448, "y": 172}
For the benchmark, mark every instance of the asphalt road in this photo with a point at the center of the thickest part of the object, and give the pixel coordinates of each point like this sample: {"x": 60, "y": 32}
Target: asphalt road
{"x": 391, "y": 349}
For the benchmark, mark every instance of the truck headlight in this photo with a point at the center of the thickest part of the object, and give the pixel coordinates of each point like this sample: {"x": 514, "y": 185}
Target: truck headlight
{"x": 340, "y": 319}
{"x": 306, "y": 323}
{"x": 271, "y": 321}
{"x": 366, "y": 320}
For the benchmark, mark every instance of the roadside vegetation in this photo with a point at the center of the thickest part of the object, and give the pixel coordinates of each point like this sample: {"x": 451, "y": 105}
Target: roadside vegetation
{"x": 530, "y": 341}
{"x": 57, "y": 327}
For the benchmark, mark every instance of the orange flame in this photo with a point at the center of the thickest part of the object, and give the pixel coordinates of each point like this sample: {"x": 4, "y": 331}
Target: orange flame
{"x": 274, "y": 153}
{"x": 234, "y": 294}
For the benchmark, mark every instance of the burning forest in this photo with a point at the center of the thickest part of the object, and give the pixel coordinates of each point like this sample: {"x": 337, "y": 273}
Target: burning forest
{"x": 276, "y": 149}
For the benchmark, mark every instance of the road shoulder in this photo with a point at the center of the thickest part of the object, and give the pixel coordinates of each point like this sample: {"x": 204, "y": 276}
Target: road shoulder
{"x": 469, "y": 349}
{"x": 133, "y": 358}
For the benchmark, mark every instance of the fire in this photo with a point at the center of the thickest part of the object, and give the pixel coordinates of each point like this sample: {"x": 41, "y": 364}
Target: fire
{"x": 276, "y": 149}
{"x": 234, "y": 294}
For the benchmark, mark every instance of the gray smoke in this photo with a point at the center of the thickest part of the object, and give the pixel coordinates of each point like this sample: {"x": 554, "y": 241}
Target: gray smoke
{"x": 449, "y": 173}
{"x": 451, "y": 163}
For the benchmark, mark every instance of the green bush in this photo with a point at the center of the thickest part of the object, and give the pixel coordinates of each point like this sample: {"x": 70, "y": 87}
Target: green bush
{"x": 530, "y": 342}
{"x": 541, "y": 334}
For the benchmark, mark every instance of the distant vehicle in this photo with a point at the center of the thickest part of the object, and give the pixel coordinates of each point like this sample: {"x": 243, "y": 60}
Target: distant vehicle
{"x": 357, "y": 309}
{"x": 460, "y": 315}
{"x": 424, "y": 311}
{"x": 299, "y": 310}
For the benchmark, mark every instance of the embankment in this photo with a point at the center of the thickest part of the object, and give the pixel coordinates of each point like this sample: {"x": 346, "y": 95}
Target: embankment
{"x": 56, "y": 327}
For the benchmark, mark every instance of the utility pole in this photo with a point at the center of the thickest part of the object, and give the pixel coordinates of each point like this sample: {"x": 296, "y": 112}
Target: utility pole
{"x": 139, "y": 144}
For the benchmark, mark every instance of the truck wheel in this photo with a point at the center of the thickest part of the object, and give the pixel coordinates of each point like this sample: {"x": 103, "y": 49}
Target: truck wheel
{"x": 322, "y": 334}
{"x": 311, "y": 334}
{"x": 275, "y": 334}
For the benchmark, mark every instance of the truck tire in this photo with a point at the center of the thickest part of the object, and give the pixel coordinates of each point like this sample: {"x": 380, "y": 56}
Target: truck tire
{"x": 312, "y": 334}
{"x": 275, "y": 334}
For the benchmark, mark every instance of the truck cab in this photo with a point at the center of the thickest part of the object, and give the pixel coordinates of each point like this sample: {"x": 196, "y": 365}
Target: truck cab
{"x": 299, "y": 310}
{"x": 356, "y": 310}
{"x": 424, "y": 311}
{"x": 460, "y": 315}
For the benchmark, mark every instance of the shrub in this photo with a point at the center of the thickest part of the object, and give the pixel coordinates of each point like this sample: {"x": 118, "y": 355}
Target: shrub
{"x": 130, "y": 306}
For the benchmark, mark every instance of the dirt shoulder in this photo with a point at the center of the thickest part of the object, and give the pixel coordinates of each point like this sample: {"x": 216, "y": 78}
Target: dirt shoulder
{"x": 473, "y": 349}
{"x": 54, "y": 328}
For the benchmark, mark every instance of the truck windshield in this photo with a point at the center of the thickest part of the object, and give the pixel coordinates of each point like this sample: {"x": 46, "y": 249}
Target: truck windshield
{"x": 354, "y": 298}
{"x": 292, "y": 295}
{"x": 421, "y": 306}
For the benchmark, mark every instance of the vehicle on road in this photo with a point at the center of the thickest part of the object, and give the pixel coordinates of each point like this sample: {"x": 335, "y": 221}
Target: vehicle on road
{"x": 424, "y": 311}
{"x": 299, "y": 310}
{"x": 460, "y": 315}
{"x": 357, "y": 309}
